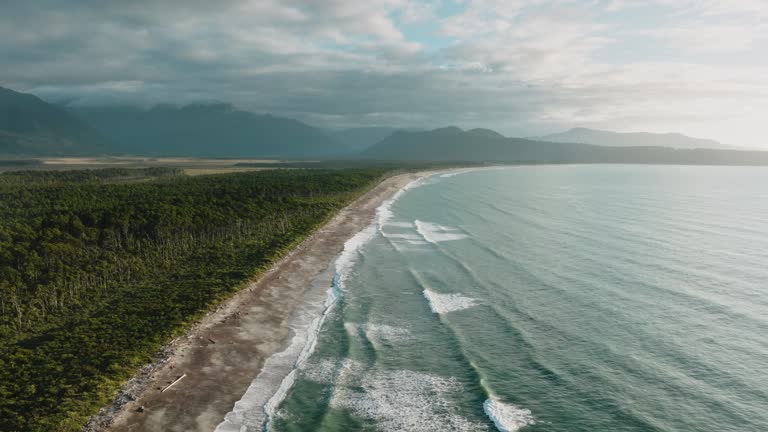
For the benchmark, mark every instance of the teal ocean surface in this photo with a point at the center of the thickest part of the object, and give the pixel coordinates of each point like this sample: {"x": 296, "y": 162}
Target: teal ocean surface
{"x": 542, "y": 298}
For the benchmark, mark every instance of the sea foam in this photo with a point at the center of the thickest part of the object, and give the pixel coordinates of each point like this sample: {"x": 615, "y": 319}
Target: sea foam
{"x": 507, "y": 417}
{"x": 351, "y": 252}
{"x": 378, "y": 334}
{"x": 401, "y": 240}
{"x": 455, "y": 173}
{"x": 267, "y": 391}
{"x": 402, "y": 236}
{"x": 401, "y": 224}
{"x": 444, "y": 303}
{"x": 343, "y": 264}
{"x": 403, "y": 400}
{"x": 396, "y": 400}
{"x": 384, "y": 212}
{"x": 259, "y": 403}
{"x": 434, "y": 233}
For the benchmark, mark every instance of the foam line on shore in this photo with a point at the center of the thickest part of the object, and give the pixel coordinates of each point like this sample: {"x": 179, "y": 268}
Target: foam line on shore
{"x": 343, "y": 266}
{"x": 384, "y": 212}
{"x": 266, "y": 391}
{"x": 259, "y": 404}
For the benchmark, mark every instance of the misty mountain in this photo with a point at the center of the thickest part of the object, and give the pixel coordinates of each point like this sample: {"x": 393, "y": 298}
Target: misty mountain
{"x": 208, "y": 130}
{"x": 632, "y": 139}
{"x": 31, "y": 126}
{"x": 452, "y": 144}
{"x": 361, "y": 138}
{"x": 449, "y": 144}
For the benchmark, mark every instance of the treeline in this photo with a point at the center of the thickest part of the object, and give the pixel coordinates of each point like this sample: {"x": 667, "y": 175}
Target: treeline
{"x": 97, "y": 274}
{"x": 399, "y": 165}
{"x": 106, "y": 175}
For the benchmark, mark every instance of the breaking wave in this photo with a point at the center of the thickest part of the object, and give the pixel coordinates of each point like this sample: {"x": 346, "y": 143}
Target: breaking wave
{"x": 507, "y": 417}
{"x": 444, "y": 303}
{"x": 434, "y": 233}
{"x": 260, "y": 402}
{"x": 396, "y": 400}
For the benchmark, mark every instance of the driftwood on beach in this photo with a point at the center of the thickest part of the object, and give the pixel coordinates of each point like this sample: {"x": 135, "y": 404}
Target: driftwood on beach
{"x": 173, "y": 383}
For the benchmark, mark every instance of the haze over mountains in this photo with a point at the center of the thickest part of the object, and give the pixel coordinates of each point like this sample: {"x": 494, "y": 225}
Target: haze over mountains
{"x": 208, "y": 130}
{"x": 632, "y": 139}
{"x": 452, "y": 144}
{"x": 361, "y": 138}
{"x": 30, "y": 126}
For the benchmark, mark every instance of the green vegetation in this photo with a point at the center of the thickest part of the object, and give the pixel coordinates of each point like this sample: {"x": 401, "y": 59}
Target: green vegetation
{"x": 99, "y": 269}
{"x": 101, "y": 176}
{"x": 414, "y": 165}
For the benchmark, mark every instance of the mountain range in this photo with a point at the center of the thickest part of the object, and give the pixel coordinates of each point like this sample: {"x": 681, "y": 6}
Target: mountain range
{"x": 361, "y": 138}
{"x": 208, "y": 130}
{"x": 632, "y": 139}
{"x": 30, "y": 126}
{"x": 452, "y": 144}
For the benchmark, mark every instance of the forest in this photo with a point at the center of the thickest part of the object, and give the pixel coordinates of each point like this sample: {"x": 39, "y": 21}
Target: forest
{"x": 100, "y": 268}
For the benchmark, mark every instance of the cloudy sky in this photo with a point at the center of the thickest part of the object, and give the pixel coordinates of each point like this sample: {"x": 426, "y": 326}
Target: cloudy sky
{"x": 523, "y": 67}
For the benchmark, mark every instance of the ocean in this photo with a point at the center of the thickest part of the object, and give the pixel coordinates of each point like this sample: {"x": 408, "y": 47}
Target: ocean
{"x": 538, "y": 298}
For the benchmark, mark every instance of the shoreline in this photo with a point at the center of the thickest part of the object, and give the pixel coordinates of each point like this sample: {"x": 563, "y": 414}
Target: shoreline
{"x": 226, "y": 350}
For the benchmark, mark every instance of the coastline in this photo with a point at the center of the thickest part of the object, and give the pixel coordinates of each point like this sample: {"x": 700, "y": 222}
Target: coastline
{"x": 224, "y": 352}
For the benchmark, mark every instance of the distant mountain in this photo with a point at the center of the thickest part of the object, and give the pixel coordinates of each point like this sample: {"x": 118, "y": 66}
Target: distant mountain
{"x": 632, "y": 139}
{"x": 361, "y": 138}
{"x": 208, "y": 130}
{"x": 486, "y": 133}
{"x": 452, "y": 144}
{"x": 31, "y": 126}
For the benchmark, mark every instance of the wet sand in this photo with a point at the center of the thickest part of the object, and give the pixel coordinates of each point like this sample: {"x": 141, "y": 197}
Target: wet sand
{"x": 221, "y": 355}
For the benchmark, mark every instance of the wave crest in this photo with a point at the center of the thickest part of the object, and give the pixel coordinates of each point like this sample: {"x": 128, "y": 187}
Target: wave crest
{"x": 507, "y": 417}
{"x": 435, "y": 233}
{"x": 444, "y": 303}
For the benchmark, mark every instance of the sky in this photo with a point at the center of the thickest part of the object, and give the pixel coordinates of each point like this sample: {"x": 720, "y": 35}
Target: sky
{"x": 522, "y": 67}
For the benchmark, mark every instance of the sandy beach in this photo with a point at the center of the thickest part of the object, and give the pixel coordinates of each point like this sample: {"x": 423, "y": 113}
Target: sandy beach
{"x": 225, "y": 351}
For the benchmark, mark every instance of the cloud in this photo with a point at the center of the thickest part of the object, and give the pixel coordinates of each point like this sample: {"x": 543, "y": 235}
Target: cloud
{"x": 522, "y": 66}
{"x": 703, "y": 37}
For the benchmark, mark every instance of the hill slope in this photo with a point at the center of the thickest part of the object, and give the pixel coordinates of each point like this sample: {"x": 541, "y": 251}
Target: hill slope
{"x": 213, "y": 130}
{"x": 360, "y": 138}
{"x": 477, "y": 145}
{"x": 632, "y": 139}
{"x": 31, "y": 126}
{"x": 452, "y": 144}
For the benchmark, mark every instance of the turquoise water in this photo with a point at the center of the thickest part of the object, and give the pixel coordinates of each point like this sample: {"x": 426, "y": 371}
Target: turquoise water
{"x": 550, "y": 298}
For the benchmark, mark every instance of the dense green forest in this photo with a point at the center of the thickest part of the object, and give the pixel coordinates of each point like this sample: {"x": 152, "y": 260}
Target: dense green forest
{"x": 99, "y": 269}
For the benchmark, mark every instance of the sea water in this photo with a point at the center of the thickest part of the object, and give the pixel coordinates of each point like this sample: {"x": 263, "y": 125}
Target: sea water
{"x": 544, "y": 298}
